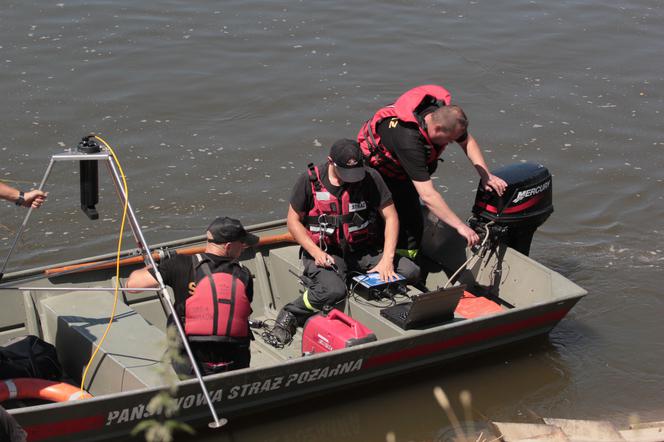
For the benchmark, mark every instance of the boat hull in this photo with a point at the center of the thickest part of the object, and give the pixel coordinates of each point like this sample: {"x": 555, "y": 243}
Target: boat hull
{"x": 251, "y": 390}
{"x": 535, "y": 299}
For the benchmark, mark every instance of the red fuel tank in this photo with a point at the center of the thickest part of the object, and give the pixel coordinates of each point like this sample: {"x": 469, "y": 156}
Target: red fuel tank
{"x": 330, "y": 331}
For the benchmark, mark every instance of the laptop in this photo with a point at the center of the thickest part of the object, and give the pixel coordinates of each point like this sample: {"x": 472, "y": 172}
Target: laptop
{"x": 425, "y": 309}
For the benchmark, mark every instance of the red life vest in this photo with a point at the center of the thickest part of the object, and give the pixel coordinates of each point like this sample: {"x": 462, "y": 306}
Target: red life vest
{"x": 219, "y": 307}
{"x": 405, "y": 109}
{"x": 348, "y": 221}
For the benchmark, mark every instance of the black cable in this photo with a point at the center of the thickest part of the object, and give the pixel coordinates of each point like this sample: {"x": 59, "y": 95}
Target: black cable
{"x": 267, "y": 335}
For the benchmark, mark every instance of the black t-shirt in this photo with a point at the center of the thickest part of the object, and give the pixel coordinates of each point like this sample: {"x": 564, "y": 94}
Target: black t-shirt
{"x": 178, "y": 273}
{"x": 302, "y": 200}
{"x": 409, "y": 145}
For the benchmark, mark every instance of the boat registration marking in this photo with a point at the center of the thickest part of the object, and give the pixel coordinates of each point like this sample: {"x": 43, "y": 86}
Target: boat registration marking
{"x": 143, "y": 411}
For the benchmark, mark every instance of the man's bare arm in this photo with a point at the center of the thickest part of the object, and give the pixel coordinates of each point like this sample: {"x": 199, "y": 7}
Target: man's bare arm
{"x": 385, "y": 267}
{"x": 474, "y": 153}
{"x": 141, "y": 278}
{"x": 301, "y": 235}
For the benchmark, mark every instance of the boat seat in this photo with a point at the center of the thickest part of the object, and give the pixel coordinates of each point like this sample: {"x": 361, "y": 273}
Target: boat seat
{"x": 286, "y": 287}
{"x": 130, "y": 356}
{"x": 14, "y": 321}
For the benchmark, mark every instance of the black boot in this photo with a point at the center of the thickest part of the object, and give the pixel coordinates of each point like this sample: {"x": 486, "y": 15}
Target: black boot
{"x": 284, "y": 327}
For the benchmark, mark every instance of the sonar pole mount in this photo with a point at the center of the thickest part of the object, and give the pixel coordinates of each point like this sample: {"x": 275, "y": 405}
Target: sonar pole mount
{"x": 88, "y": 153}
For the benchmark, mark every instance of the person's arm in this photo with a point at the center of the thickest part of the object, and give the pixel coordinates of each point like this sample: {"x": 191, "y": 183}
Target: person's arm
{"x": 250, "y": 287}
{"x": 385, "y": 267}
{"x": 8, "y": 193}
{"x": 437, "y": 205}
{"x": 33, "y": 198}
{"x": 299, "y": 232}
{"x": 141, "y": 278}
{"x": 474, "y": 153}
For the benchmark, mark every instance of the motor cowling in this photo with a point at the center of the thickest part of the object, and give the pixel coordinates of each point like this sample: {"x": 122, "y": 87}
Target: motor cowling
{"x": 521, "y": 209}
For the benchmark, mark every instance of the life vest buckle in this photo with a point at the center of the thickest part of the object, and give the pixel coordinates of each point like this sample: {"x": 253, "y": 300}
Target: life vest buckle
{"x": 322, "y": 224}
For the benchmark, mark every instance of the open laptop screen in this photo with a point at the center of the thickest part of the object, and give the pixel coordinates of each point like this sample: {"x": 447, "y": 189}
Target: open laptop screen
{"x": 430, "y": 308}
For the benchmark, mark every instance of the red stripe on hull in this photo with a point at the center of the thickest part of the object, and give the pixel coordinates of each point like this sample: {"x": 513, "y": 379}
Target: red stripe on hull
{"x": 47, "y": 431}
{"x": 494, "y": 332}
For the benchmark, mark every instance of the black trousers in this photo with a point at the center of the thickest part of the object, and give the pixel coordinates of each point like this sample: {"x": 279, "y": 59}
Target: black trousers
{"x": 407, "y": 203}
{"x": 327, "y": 287}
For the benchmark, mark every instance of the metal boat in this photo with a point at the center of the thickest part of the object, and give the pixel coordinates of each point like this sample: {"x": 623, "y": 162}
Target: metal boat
{"x": 70, "y": 310}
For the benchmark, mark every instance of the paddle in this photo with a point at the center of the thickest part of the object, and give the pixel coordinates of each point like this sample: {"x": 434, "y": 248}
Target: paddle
{"x": 100, "y": 265}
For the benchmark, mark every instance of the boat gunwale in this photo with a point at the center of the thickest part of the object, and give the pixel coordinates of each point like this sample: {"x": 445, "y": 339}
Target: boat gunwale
{"x": 126, "y": 253}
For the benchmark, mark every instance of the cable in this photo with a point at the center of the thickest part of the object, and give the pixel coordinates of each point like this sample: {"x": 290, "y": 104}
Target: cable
{"x": 474, "y": 254}
{"x": 117, "y": 260}
{"x": 350, "y": 292}
{"x": 269, "y": 337}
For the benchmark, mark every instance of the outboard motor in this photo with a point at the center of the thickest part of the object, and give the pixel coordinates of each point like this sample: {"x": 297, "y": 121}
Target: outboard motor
{"x": 523, "y": 207}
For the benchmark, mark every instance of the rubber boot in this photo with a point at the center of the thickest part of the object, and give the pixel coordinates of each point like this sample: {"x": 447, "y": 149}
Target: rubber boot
{"x": 284, "y": 327}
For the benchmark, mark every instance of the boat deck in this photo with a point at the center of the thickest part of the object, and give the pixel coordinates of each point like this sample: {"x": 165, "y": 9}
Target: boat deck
{"x": 136, "y": 342}
{"x": 77, "y": 319}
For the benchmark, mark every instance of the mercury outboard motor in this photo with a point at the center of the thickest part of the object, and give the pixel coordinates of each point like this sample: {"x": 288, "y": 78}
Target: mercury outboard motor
{"x": 523, "y": 207}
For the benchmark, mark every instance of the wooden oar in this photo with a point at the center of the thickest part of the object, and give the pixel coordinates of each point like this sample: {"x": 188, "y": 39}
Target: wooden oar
{"x": 100, "y": 265}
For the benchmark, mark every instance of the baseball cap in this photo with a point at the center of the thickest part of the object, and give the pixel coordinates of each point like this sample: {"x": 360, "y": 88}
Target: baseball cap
{"x": 225, "y": 229}
{"x": 347, "y": 157}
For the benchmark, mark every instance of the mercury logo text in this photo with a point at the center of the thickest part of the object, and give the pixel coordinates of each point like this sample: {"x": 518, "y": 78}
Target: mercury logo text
{"x": 533, "y": 191}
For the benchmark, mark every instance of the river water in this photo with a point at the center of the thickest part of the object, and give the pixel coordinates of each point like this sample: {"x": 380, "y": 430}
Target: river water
{"x": 215, "y": 108}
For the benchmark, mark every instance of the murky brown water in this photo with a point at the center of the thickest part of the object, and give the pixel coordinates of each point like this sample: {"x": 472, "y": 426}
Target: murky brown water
{"x": 214, "y": 108}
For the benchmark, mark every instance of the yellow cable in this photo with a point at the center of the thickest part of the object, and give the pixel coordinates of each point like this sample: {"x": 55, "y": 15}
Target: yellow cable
{"x": 117, "y": 260}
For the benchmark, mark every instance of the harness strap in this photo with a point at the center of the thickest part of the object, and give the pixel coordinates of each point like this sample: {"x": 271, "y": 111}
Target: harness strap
{"x": 317, "y": 187}
{"x": 336, "y": 220}
{"x": 231, "y": 312}
{"x": 374, "y": 147}
{"x": 215, "y": 307}
{"x": 313, "y": 177}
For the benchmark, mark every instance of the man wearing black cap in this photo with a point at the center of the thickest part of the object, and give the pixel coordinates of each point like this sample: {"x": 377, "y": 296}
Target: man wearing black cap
{"x": 334, "y": 214}
{"x": 403, "y": 141}
{"x": 217, "y": 331}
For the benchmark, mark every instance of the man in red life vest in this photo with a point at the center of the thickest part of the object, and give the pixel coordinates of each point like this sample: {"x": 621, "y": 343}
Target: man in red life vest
{"x": 403, "y": 142}
{"x": 213, "y": 295}
{"x": 334, "y": 215}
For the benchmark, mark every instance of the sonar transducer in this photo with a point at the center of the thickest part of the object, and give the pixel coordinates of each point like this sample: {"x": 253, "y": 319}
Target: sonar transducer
{"x": 89, "y": 177}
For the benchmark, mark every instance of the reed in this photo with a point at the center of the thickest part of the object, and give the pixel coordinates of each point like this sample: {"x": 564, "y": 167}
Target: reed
{"x": 461, "y": 434}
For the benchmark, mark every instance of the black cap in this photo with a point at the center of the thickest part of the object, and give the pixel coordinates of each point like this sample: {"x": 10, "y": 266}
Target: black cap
{"x": 225, "y": 229}
{"x": 347, "y": 157}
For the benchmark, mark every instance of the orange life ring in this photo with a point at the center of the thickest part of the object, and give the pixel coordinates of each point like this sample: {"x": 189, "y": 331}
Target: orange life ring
{"x": 33, "y": 388}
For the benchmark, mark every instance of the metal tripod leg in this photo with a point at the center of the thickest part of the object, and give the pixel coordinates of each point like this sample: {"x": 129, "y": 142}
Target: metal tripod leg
{"x": 25, "y": 220}
{"x": 141, "y": 243}
{"x": 140, "y": 239}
